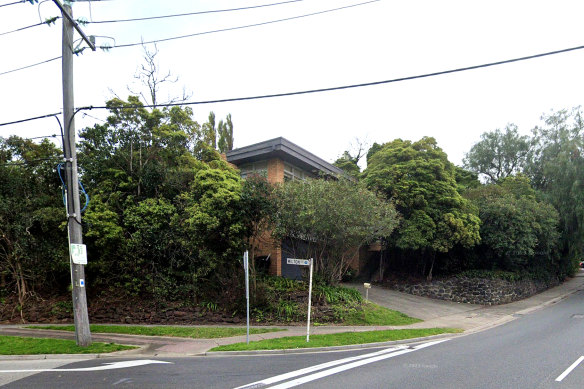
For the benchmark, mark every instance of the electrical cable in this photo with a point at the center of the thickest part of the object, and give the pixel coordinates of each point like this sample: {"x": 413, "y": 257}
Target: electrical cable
{"x": 27, "y": 162}
{"x": 60, "y": 168}
{"x": 239, "y": 27}
{"x": 41, "y": 137}
{"x": 63, "y": 185}
{"x": 86, "y": 197}
{"x": 30, "y": 66}
{"x": 426, "y": 75}
{"x": 93, "y": 117}
{"x": 47, "y": 22}
{"x": 32, "y": 118}
{"x": 190, "y": 13}
{"x": 13, "y": 3}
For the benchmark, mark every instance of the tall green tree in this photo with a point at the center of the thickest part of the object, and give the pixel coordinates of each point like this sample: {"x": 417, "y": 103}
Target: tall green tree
{"x": 498, "y": 154}
{"x": 556, "y": 168}
{"x": 225, "y": 131}
{"x": 518, "y": 231}
{"x": 33, "y": 240}
{"x": 348, "y": 164}
{"x": 330, "y": 220}
{"x": 166, "y": 216}
{"x": 420, "y": 180}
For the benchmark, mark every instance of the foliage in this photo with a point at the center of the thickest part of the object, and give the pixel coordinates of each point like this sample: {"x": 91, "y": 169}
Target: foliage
{"x": 329, "y": 221}
{"x": 556, "y": 169}
{"x": 348, "y": 164}
{"x": 518, "y": 231}
{"x": 465, "y": 179}
{"x": 166, "y": 216}
{"x": 337, "y": 294}
{"x": 33, "y": 240}
{"x": 225, "y": 132}
{"x": 498, "y": 155}
{"x": 421, "y": 181}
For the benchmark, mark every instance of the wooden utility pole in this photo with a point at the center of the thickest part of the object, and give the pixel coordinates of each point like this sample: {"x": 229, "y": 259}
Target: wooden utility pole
{"x": 82, "y": 333}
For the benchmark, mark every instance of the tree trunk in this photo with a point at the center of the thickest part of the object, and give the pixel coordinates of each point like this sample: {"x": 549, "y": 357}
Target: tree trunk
{"x": 429, "y": 278}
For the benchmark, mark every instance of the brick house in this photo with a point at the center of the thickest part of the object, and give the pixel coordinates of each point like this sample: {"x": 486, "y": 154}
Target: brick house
{"x": 281, "y": 160}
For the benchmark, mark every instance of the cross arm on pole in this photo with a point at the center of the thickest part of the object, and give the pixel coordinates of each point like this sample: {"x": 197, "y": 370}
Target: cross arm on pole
{"x": 75, "y": 25}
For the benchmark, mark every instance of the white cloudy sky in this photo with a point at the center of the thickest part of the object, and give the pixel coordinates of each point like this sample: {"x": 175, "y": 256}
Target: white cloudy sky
{"x": 372, "y": 42}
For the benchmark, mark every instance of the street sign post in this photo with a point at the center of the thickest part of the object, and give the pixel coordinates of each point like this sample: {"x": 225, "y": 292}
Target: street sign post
{"x": 246, "y": 268}
{"x": 296, "y": 261}
{"x": 309, "y": 263}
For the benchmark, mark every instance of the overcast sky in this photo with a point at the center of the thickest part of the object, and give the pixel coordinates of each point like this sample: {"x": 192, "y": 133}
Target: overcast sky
{"x": 371, "y": 42}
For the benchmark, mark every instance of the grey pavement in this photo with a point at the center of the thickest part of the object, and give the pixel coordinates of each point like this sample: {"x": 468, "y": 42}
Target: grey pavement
{"x": 434, "y": 313}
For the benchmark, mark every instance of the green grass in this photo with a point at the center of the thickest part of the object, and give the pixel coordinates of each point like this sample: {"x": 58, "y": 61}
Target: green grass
{"x": 373, "y": 314}
{"x": 341, "y": 339}
{"x": 15, "y": 345}
{"x": 181, "y": 332}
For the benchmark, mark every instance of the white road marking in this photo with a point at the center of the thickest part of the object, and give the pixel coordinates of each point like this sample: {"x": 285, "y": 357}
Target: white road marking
{"x": 105, "y": 366}
{"x": 569, "y": 370}
{"x": 350, "y": 362}
{"x": 296, "y": 373}
{"x": 339, "y": 369}
{"x": 123, "y": 380}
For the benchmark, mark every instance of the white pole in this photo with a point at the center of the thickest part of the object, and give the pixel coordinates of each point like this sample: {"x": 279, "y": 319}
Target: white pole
{"x": 246, "y": 266}
{"x": 309, "y": 301}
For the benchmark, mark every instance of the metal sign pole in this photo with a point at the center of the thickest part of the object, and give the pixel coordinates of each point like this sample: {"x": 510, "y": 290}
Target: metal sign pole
{"x": 309, "y": 301}
{"x": 246, "y": 266}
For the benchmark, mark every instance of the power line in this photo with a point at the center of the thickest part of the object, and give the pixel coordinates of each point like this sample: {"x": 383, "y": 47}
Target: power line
{"x": 310, "y": 91}
{"x": 30, "y": 66}
{"x": 239, "y": 27}
{"x": 426, "y": 75}
{"x": 16, "y": 2}
{"x": 190, "y": 13}
{"x": 28, "y": 162}
{"x": 30, "y": 119}
{"x": 41, "y": 137}
{"x": 47, "y": 22}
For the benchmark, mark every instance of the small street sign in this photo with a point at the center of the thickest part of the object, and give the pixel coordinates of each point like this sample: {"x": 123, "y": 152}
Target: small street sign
{"x": 296, "y": 261}
{"x": 78, "y": 254}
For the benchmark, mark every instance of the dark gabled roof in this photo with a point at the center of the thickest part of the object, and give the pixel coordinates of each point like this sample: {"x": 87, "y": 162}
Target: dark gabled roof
{"x": 285, "y": 150}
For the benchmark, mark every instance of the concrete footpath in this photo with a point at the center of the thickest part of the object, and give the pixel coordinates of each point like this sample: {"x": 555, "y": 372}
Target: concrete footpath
{"x": 434, "y": 313}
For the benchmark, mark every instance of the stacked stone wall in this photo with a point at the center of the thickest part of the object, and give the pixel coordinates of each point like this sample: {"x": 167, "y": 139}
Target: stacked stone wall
{"x": 476, "y": 290}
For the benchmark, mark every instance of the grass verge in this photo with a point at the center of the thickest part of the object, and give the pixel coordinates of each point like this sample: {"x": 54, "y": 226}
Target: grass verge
{"x": 340, "y": 339}
{"x": 373, "y": 314}
{"x": 175, "y": 331}
{"x": 16, "y": 345}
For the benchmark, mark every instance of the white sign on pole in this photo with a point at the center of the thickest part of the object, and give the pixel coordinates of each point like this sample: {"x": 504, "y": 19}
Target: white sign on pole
{"x": 305, "y": 262}
{"x": 246, "y": 268}
{"x": 309, "y": 301}
{"x": 78, "y": 254}
{"x": 295, "y": 261}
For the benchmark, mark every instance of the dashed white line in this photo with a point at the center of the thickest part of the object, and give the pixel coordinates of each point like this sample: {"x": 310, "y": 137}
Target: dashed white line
{"x": 569, "y": 370}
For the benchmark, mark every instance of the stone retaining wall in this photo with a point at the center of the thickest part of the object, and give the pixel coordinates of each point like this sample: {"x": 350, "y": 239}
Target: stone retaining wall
{"x": 476, "y": 290}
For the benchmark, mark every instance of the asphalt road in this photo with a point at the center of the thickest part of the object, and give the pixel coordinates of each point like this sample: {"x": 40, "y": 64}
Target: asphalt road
{"x": 534, "y": 351}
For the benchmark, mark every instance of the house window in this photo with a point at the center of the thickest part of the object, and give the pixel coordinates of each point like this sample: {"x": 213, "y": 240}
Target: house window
{"x": 260, "y": 168}
{"x": 292, "y": 173}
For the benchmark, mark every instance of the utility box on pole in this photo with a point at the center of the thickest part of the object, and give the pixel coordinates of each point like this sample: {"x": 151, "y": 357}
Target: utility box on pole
{"x": 82, "y": 333}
